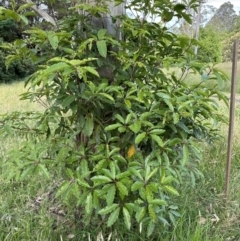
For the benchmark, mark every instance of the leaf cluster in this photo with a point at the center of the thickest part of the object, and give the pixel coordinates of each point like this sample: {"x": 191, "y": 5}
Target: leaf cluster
{"x": 122, "y": 130}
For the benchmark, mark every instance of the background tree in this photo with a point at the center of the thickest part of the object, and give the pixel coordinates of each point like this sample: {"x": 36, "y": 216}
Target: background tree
{"x": 224, "y": 18}
{"x": 210, "y": 49}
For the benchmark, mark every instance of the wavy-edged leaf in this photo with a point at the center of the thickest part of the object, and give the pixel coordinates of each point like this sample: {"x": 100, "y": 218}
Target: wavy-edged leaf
{"x": 171, "y": 190}
{"x": 102, "y": 48}
{"x": 141, "y": 213}
{"x": 63, "y": 188}
{"x": 89, "y": 204}
{"x": 101, "y": 179}
{"x": 122, "y": 188}
{"x": 136, "y": 126}
{"x": 136, "y": 185}
{"x": 110, "y": 195}
{"x": 112, "y": 127}
{"x": 157, "y": 139}
{"x": 113, "y": 217}
{"x": 140, "y": 137}
{"x": 127, "y": 218}
{"x": 108, "y": 209}
{"x": 89, "y": 125}
{"x": 101, "y": 33}
{"x": 150, "y": 228}
{"x": 68, "y": 100}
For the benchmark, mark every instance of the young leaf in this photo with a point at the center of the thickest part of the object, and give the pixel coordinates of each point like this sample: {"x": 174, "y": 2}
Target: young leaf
{"x": 150, "y": 228}
{"x": 113, "y": 217}
{"x": 89, "y": 204}
{"x": 112, "y": 127}
{"x": 110, "y": 195}
{"x": 127, "y": 218}
{"x": 88, "y": 128}
{"x": 140, "y": 137}
{"x": 101, "y": 33}
{"x": 53, "y": 40}
{"x": 157, "y": 139}
{"x": 136, "y": 185}
{"x": 171, "y": 190}
{"x": 63, "y": 188}
{"x": 135, "y": 127}
{"x": 102, "y": 48}
{"x": 141, "y": 213}
{"x": 68, "y": 100}
{"x": 151, "y": 213}
{"x": 44, "y": 170}
{"x": 101, "y": 179}
{"x": 122, "y": 188}
{"x": 108, "y": 209}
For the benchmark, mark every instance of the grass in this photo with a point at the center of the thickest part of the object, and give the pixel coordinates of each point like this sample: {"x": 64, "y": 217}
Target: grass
{"x": 28, "y": 210}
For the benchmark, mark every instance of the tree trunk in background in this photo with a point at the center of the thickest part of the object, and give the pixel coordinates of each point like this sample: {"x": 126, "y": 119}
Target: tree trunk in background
{"x": 198, "y": 27}
{"x": 106, "y": 21}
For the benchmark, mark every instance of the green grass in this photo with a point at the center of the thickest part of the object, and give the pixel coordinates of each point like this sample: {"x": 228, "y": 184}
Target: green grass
{"x": 28, "y": 210}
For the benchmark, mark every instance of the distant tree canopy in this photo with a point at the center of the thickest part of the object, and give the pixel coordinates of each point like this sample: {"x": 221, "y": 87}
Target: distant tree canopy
{"x": 224, "y": 19}
{"x": 10, "y": 31}
{"x": 211, "y": 46}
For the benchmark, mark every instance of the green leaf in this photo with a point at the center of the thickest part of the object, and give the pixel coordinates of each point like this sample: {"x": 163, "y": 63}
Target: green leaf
{"x": 102, "y": 48}
{"x": 107, "y": 96}
{"x": 112, "y": 127}
{"x": 185, "y": 158}
{"x": 53, "y": 40}
{"x": 55, "y": 68}
{"x": 68, "y": 100}
{"x": 127, "y": 218}
{"x": 88, "y": 127}
{"x": 111, "y": 195}
{"x": 89, "y": 204}
{"x": 157, "y": 139}
{"x": 167, "y": 180}
{"x": 83, "y": 183}
{"x": 128, "y": 103}
{"x": 26, "y": 172}
{"x": 44, "y": 170}
{"x": 135, "y": 127}
{"x": 63, "y": 188}
{"x": 151, "y": 213}
{"x": 120, "y": 118}
{"x": 101, "y": 179}
{"x": 140, "y": 137}
{"x": 122, "y": 188}
{"x": 24, "y": 6}
{"x": 101, "y": 33}
{"x": 108, "y": 209}
{"x": 157, "y": 131}
{"x": 151, "y": 174}
{"x": 136, "y": 185}
{"x": 171, "y": 190}
{"x": 113, "y": 217}
{"x": 24, "y": 19}
{"x": 141, "y": 213}
{"x": 150, "y": 228}
{"x": 90, "y": 70}
{"x": 164, "y": 96}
